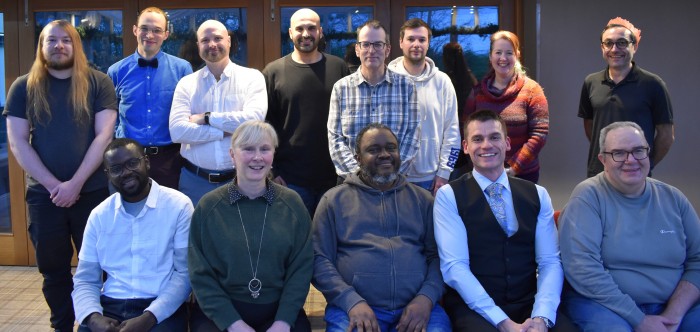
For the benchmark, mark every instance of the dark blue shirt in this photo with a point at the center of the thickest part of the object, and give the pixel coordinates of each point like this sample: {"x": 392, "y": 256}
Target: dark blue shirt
{"x": 145, "y": 95}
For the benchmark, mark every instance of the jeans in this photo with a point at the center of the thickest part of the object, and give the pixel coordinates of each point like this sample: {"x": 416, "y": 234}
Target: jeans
{"x": 122, "y": 310}
{"x": 427, "y": 185}
{"x": 338, "y": 321}
{"x": 589, "y": 315}
{"x": 51, "y": 229}
{"x": 195, "y": 187}
{"x": 310, "y": 196}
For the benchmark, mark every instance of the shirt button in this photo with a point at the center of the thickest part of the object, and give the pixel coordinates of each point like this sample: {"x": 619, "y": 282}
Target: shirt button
{"x": 149, "y": 127}
{"x": 148, "y": 77}
{"x": 149, "y": 111}
{"x": 148, "y": 93}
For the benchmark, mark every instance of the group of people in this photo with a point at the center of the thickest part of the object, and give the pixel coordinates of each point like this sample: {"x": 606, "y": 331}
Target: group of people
{"x": 219, "y": 220}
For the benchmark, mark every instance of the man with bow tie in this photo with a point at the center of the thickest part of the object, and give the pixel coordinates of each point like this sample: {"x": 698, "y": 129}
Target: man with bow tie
{"x": 145, "y": 83}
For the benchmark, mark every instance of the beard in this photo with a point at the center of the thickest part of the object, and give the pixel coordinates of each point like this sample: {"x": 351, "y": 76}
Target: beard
{"x": 306, "y": 49}
{"x": 368, "y": 175}
{"x": 59, "y": 64}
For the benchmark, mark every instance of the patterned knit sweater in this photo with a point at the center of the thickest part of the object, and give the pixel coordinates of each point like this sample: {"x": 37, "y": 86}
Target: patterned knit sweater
{"x": 524, "y": 108}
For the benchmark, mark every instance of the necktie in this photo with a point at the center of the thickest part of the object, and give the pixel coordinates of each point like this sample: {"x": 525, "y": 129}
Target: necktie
{"x": 498, "y": 206}
{"x": 150, "y": 63}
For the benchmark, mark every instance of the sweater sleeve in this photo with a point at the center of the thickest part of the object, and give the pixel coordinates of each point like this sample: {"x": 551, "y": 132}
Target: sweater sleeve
{"x": 299, "y": 267}
{"x": 326, "y": 278}
{"x": 433, "y": 286}
{"x": 691, "y": 226}
{"x": 449, "y": 151}
{"x": 581, "y": 236}
{"x": 537, "y": 127}
{"x": 212, "y": 298}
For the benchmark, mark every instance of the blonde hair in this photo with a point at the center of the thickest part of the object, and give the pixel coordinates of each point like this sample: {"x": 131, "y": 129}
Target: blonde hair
{"x": 252, "y": 132}
{"x": 515, "y": 42}
{"x": 37, "y": 81}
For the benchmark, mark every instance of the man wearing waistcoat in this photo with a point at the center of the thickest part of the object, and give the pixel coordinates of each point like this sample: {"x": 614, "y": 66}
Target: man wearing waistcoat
{"x": 508, "y": 276}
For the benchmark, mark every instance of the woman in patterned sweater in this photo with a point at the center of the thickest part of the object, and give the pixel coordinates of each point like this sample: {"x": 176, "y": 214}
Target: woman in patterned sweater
{"x": 519, "y": 100}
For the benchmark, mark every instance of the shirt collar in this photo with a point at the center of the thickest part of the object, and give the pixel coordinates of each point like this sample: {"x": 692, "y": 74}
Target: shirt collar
{"x": 485, "y": 182}
{"x": 235, "y": 195}
{"x": 158, "y": 55}
{"x": 151, "y": 199}
{"x": 361, "y": 79}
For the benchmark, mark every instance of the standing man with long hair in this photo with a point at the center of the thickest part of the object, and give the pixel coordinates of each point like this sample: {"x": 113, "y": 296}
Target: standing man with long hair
{"x": 60, "y": 118}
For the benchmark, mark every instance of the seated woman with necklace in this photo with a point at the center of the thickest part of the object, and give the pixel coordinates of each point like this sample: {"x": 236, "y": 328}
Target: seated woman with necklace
{"x": 250, "y": 254}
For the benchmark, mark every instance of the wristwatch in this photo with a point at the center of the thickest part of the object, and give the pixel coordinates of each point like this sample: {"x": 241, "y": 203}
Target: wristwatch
{"x": 548, "y": 323}
{"x": 206, "y": 118}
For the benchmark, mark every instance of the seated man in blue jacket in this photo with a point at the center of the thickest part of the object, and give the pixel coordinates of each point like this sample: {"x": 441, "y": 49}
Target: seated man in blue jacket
{"x": 376, "y": 260}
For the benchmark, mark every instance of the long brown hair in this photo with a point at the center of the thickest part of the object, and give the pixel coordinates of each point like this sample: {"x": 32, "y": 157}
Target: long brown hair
{"x": 515, "y": 42}
{"x": 37, "y": 82}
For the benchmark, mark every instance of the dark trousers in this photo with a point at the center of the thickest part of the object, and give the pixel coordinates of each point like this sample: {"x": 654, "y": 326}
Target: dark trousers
{"x": 467, "y": 320}
{"x": 258, "y": 316}
{"x": 51, "y": 230}
{"x": 122, "y": 310}
{"x": 166, "y": 165}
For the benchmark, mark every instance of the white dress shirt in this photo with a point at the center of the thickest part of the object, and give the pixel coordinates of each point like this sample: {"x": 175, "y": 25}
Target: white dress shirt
{"x": 145, "y": 256}
{"x": 238, "y": 96}
{"x": 451, "y": 237}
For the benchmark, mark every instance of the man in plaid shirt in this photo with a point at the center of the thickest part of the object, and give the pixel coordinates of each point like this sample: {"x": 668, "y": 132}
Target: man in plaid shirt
{"x": 372, "y": 94}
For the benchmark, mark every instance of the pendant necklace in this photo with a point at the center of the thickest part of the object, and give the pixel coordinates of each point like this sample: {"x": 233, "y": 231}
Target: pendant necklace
{"x": 254, "y": 285}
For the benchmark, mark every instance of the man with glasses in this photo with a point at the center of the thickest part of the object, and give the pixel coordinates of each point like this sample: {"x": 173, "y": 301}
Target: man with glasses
{"x": 138, "y": 237}
{"x": 372, "y": 94}
{"x": 439, "y": 134}
{"x": 60, "y": 118}
{"x": 630, "y": 244}
{"x": 299, "y": 89}
{"x": 145, "y": 82}
{"x": 625, "y": 92}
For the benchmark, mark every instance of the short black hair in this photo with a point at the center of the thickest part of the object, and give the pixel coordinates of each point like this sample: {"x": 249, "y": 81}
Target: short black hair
{"x": 415, "y": 23}
{"x": 121, "y": 142}
{"x": 367, "y": 128}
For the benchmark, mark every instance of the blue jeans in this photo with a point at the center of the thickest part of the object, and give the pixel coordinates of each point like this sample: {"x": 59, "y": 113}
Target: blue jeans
{"x": 337, "y": 320}
{"x": 427, "y": 185}
{"x": 195, "y": 187}
{"x": 589, "y": 315}
{"x": 310, "y": 196}
{"x": 122, "y": 310}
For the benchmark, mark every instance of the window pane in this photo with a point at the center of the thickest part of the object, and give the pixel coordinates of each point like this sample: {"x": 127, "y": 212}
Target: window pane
{"x": 100, "y": 32}
{"x": 5, "y": 224}
{"x": 470, "y": 26}
{"x": 183, "y": 33}
{"x": 339, "y": 27}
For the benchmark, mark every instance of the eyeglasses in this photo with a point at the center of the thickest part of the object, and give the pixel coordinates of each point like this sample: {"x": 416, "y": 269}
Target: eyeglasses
{"x": 377, "y": 46}
{"x": 620, "y": 43}
{"x": 131, "y": 164}
{"x": 621, "y": 156}
{"x": 156, "y": 31}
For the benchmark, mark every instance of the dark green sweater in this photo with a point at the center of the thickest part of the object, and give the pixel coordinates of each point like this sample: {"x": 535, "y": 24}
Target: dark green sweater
{"x": 219, "y": 263}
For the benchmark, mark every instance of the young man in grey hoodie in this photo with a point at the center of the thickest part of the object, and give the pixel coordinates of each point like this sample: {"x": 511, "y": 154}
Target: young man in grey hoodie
{"x": 439, "y": 135}
{"x": 375, "y": 256}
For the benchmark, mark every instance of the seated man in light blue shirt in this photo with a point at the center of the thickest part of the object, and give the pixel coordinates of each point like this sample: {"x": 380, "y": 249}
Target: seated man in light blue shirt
{"x": 138, "y": 237}
{"x": 497, "y": 241}
{"x": 145, "y": 82}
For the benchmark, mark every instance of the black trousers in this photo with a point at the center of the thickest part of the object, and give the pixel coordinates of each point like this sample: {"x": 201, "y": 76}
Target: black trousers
{"x": 258, "y": 316}
{"x": 51, "y": 229}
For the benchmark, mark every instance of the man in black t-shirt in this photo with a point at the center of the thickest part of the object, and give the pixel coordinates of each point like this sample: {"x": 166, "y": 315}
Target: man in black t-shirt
{"x": 60, "y": 118}
{"x": 625, "y": 92}
{"x": 299, "y": 88}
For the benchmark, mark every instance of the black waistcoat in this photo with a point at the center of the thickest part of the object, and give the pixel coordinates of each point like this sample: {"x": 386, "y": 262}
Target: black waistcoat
{"x": 504, "y": 266}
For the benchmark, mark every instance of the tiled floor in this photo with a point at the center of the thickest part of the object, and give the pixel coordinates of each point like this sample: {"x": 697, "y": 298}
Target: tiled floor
{"x": 23, "y": 309}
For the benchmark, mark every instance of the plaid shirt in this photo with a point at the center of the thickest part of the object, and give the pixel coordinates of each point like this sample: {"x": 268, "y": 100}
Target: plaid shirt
{"x": 355, "y": 104}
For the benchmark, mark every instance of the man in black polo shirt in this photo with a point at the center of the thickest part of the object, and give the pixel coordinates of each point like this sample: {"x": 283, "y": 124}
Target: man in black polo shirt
{"x": 497, "y": 241}
{"x": 625, "y": 92}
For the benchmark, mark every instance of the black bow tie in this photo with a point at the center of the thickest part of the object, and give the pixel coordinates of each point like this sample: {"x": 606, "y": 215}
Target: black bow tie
{"x": 151, "y": 63}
